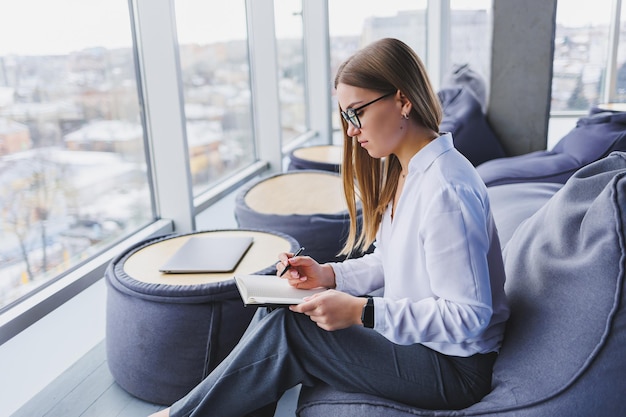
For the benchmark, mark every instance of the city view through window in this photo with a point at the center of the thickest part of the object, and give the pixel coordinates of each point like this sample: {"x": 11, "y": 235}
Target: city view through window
{"x": 73, "y": 171}
{"x": 580, "y": 54}
{"x": 73, "y": 176}
{"x": 215, "y": 71}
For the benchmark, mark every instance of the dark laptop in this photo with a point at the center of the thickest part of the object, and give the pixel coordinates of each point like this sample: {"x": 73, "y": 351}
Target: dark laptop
{"x": 208, "y": 254}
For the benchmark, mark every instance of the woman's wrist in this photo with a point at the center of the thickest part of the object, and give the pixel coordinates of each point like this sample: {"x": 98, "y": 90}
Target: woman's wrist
{"x": 358, "y": 312}
{"x": 329, "y": 276}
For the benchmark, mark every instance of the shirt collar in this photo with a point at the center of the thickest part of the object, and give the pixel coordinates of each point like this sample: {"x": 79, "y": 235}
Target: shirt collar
{"x": 425, "y": 157}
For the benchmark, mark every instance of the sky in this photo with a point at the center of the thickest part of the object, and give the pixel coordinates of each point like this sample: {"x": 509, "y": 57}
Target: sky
{"x": 48, "y": 26}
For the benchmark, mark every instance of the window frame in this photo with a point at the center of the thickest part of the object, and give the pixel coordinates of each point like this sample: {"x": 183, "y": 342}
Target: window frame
{"x": 153, "y": 25}
{"x": 160, "y": 94}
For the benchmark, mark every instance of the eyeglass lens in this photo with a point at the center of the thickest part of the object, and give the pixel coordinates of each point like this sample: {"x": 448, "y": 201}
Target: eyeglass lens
{"x": 350, "y": 115}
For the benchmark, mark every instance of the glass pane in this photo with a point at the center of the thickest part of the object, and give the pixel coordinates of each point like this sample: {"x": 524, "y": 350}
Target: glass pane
{"x": 580, "y": 54}
{"x": 73, "y": 175}
{"x": 290, "y": 48}
{"x": 470, "y": 43}
{"x": 353, "y": 24}
{"x": 215, "y": 68}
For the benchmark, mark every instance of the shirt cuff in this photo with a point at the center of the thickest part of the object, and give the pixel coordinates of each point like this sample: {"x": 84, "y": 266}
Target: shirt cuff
{"x": 339, "y": 280}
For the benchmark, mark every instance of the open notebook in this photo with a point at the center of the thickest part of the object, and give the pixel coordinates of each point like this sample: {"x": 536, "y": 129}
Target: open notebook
{"x": 208, "y": 254}
{"x": 270, "y": 290}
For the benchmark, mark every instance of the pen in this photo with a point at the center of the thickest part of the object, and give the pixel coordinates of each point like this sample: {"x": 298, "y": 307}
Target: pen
{"x": 298, "y": 252}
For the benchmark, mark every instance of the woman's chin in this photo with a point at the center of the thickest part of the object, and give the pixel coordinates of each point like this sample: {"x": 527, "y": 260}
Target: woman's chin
{"x": 374, "y": 154}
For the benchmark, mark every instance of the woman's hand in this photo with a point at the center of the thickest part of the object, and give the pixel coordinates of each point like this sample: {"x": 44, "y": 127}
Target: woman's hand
{"x": 305, "y": 272}
{"x": 332, "y": 310}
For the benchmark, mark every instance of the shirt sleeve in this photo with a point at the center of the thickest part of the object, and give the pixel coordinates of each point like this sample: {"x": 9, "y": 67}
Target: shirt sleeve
{"x": 455, "y": 242}
{"x": 359, "y": 276}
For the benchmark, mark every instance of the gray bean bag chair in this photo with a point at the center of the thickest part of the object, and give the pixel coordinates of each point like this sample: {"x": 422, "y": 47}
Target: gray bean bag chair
{"x": 563, "y": 351}
{"x": 513, "y": 203}
{"x": 593, "y": 138}
{"x": 464, "y": 118}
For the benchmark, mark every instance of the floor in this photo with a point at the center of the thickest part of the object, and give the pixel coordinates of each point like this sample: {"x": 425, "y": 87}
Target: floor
{"x": 87, "y": 389}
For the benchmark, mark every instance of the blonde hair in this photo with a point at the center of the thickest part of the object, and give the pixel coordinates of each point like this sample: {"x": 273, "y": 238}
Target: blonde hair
{"x": 387, "y": 65}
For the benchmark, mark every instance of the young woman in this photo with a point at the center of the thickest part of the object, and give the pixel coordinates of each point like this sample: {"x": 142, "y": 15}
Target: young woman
{"x": 432, "y": 337}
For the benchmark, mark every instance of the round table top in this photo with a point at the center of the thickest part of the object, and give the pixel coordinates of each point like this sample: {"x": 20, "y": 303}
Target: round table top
{"x": 298, "y": 192}
{"x": 143, "y": 265}
{"x": 332, "y": 154}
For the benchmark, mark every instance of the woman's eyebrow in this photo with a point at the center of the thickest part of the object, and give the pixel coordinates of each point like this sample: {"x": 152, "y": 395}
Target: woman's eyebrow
{"x": 353, "y": 104}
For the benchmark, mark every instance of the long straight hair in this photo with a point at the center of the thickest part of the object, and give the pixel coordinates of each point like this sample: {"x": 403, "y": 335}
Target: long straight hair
{"x": 386, "y": 66}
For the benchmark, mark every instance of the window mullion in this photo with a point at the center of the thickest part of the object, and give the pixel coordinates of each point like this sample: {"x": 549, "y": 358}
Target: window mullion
{"x": 437, "y": 39}
{"x": 317, "y": 58}
{"x": 163, "y": 105}
{"x": 264, "y": 81}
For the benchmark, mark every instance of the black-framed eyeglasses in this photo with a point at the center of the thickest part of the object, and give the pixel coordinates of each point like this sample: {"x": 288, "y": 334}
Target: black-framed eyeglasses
{"x": 351, "y": 115}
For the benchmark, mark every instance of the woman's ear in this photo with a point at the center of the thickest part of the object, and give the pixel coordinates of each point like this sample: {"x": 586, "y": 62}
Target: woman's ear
{"x": 404, "y": 102}
{"x": 406, "y": 109}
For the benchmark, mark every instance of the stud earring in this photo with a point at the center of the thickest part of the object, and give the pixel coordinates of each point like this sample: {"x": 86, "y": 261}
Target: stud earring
{"x": 406, "y": 116}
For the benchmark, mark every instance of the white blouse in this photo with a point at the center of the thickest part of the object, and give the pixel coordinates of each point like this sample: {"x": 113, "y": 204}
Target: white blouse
{"x": 438, "y": 260}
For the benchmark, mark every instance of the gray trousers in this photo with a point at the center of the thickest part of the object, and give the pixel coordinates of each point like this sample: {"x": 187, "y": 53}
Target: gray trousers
{"x": 283, "y": 349}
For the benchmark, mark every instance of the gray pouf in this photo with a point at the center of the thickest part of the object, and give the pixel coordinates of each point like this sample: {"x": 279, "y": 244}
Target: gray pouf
{"x": 322, "y": 157}
{"x": 306, "y": 204}
{"x": 166, "y": 332}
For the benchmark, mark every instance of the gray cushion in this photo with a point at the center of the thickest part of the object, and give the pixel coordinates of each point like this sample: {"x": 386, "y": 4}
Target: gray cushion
{"x": 511, "y": 204}
{"x": 565, "y": 276}
{"x": 593, "y": 138}
{"x": 464, "y": 75}
{"x": 471, "y": 132}
{"x": 563, "y": 351}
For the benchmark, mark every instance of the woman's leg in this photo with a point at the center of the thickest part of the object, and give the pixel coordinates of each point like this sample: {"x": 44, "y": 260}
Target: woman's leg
{"x": 286, "y": 348}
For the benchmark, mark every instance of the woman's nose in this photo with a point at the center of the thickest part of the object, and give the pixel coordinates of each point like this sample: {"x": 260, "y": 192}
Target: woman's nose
{"x": 352, "y": 130}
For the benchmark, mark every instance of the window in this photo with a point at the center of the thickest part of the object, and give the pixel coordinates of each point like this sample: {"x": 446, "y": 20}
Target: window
{"x": 73, "y": 171}
{"x": 470, "y": 38}
{"x": 356, "y": 23}
{"x": 291, "y": 79}
{"x": 213, "y": 50}
{"x": 580, "y": 54}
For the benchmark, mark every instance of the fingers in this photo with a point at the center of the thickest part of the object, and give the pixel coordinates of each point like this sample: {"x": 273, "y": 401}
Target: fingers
{"x": 294, "y": 275}
{"x": 284, "y": 256}
{"x": 306, "y": 307}
{"x": 280, "y": 267}
{"x": 283, "y": 261}
{"x": 317, "y": 312}
{"x": 331, "y": 310}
